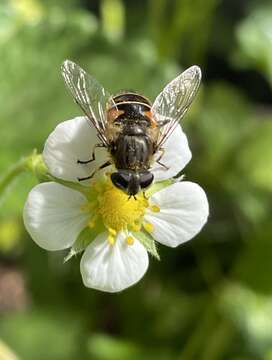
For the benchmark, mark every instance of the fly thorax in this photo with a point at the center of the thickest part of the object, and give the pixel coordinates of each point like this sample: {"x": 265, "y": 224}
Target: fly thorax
{"x": 134, "y": 129}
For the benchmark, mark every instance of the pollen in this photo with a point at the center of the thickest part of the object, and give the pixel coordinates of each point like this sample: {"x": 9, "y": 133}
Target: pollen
{"x": 136, "y": 227}
{"x": 130, "y": 240}
{"x": 111, "y": 239}
{"x": 112, "y": 231}
{"x": 155, "y": 208}
{"x": 148, "y": 227}
{"x": 118, "y": 212}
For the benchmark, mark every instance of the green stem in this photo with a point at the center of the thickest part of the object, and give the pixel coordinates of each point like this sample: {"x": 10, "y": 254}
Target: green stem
{"x": 12, "y": 173}
{"x": 219, "y": 341}
{"x": 198, "y": 337}
{"x": 33, "y": 163}
{"x": 220, "y": 334}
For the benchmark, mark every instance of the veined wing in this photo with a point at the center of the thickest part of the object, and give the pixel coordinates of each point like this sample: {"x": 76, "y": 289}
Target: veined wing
{"x": 172, "y": 103}
{"x": 88, "y": 94}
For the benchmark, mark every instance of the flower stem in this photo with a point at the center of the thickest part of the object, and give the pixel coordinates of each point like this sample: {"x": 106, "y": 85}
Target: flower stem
{"x": 204, "y": 327}
{"x": 219, "y": 341}
{"x": 33, "y": 163}
{"x": 12, "y": 173}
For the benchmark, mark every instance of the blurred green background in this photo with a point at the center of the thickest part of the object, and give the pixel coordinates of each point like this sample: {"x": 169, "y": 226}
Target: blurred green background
{"x": 208, "y": 299}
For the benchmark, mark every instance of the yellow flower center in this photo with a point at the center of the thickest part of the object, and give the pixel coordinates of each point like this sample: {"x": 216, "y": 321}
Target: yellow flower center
{"x": 117, "y": 211}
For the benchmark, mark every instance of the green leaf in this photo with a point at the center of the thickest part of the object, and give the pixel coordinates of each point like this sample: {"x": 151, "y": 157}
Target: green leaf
{"x": 255, "y": 41}
{"x": 102, "y": 346}
{"x": 158, "y": 186}
{"x": 148, "y": 242}
{"x": 86, "y": 236}
{"x": 88, "y": 192}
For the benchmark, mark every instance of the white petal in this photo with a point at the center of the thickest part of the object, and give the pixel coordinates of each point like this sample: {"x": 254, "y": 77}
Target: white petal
{"x": 184, "y": 211}
{"x": 72, "y": 140}
{"x": 113, "y": 268}
{"x": 176, "y": 156}
{"x": 52, "y": 215}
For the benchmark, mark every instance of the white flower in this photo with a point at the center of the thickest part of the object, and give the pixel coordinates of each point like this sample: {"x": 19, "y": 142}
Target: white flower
{"x": 122, "y": 230}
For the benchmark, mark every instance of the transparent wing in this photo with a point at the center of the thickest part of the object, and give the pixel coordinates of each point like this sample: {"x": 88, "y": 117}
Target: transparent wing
{"x": 88, "y": 94}
{"x": 172, "y": 103}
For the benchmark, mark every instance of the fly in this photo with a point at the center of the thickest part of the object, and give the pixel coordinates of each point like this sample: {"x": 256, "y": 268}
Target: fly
{"x": 129, "y": 126}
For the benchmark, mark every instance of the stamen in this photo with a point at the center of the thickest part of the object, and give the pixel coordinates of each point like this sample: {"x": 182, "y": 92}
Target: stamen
{"x": 111, "y": 239}
{"x": 130, "y": 240}
{"x": 112, "y": 236}
{"x": 112, "y": 231}
{"x": 148, "y": 227}
{"x": 110, "y": 206}
{"x": 117, "y": 212}
{"x": 136, "y": 227}
{"x": 155, "y": 208}
{"x": 145, "y": 202}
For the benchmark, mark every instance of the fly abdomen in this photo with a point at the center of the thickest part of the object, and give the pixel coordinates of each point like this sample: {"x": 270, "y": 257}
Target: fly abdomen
{"x": 132, "y": 152}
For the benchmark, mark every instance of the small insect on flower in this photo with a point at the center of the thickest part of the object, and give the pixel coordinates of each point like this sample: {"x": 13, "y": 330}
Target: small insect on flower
{"x": 88, "y": 210}
{"x": 128, "y": 126}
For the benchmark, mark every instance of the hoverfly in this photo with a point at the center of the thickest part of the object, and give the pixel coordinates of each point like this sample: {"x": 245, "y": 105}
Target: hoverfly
{"x": 131, "y": 128}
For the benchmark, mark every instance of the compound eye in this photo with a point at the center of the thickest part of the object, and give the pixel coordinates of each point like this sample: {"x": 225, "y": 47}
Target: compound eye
{"x": 120, "y": 180}
{"x": 146, "y": 179}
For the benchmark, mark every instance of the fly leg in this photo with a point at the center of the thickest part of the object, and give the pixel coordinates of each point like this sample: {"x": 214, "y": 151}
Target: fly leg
{"x": 107, "y": 163}
{"x": 162, "y": 151}
{"x": 134, "y": 197}
{"x": 93, "y": 155}
{"x": 145, "y": 196}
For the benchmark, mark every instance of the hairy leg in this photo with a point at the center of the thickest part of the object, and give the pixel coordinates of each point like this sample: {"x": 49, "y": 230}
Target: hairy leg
{"x": 107, "y": 163}
{"x": 162, "y": 151}
{"x": 93, "y": 155}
